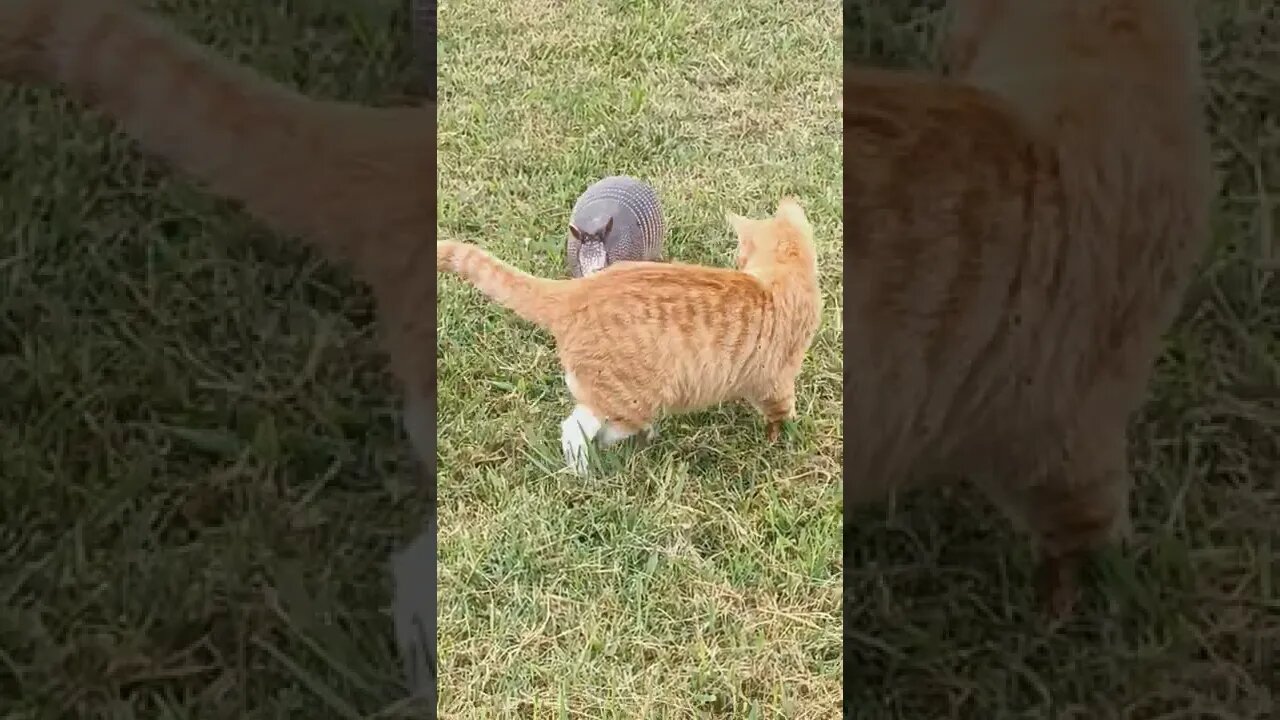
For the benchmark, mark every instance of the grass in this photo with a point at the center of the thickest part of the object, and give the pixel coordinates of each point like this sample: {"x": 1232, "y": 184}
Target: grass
{"x": 941, "y": 621}
{"x": 201, "y": 472}
{"x": 697, "y": 577}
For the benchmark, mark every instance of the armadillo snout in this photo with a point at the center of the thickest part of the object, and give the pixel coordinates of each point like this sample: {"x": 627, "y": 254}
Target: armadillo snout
{"x": 591, "y": 258}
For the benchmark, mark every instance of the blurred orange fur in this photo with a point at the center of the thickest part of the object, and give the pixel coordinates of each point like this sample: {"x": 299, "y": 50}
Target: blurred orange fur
{"x": 1018, "y": 238}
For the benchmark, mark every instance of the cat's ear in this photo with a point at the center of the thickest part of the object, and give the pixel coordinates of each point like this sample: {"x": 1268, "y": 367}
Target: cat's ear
{"x": 789, "y": 209}
{"x": 607, "y": 226}
{"x": 737, "y": 222}
{"x": 575, "y": 232}
{"x": 966, "y": 24}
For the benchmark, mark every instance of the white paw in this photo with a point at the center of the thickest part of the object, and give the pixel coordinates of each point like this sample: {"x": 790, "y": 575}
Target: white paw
{"x": 576, "y": 433}
{"x": 573, "y": 443}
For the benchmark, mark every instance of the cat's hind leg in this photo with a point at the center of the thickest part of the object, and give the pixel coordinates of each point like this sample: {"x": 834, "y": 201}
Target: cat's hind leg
{"x": 777, "y": 405}
{"x": 1075, "y": 504}
{"x": 1077, "y": 513}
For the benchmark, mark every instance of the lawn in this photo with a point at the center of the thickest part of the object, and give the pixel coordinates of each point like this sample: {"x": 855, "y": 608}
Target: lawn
{"x": 942, "y": 622}
{"x": 698, "y": 576}
{"x": 202, "y": 473}
{"x": 201, "y": 469}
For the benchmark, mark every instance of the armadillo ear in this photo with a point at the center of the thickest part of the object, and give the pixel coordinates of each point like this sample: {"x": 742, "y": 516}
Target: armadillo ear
{"x": 575, "y": 232}
{"x": 737, "y": 222}
{"x": 607, "y": 226}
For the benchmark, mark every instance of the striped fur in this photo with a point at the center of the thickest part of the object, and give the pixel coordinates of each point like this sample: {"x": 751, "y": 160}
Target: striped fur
{"x": 1018, "y": 238}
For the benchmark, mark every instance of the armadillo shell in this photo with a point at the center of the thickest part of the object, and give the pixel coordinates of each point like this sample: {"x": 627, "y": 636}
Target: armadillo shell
{"x": 639, "y": 230}
{"x": 424, "y": 43}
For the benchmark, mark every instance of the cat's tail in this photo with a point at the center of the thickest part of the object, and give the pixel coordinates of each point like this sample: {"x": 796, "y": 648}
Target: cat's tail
{"x": 538, "y": 300}
{"x": 347, "y": 178}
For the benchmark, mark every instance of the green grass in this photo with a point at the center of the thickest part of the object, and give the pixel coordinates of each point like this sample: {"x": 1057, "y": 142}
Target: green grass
{"x": 201, "y": 472}
{"x": 699, "y": 576}
{"x": 942, "y": 621}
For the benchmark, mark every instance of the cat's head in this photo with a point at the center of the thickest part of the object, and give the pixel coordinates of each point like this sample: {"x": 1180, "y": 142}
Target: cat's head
{"x": 597, "y": 235}
{"x": 986, "y": 36}
{"x": 784, "y": 239}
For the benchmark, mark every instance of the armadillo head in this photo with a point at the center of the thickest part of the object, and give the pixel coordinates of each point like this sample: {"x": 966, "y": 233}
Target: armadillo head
{"x": 592, "y": 253}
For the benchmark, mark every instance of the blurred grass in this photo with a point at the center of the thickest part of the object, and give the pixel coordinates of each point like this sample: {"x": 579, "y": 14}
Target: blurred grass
{"x": 201, "y": 472}
{"x": 941, "y": 621}
{"x": 697, "y": 577}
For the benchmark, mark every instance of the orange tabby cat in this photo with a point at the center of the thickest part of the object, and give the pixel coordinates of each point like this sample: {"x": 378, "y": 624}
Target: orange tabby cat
{"x": 638, "y": 339}
{"x": 1018, "y": 239}
{"x": 357, "y": 182}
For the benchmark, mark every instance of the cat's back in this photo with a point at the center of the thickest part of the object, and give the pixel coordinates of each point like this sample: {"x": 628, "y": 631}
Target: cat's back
{"x": 671, "y": 325}
{"x": 652, "y": 286}
{"x": 944, "y": 189}
{"x": 926, "y": 159}
{"x": 653, "y": 309}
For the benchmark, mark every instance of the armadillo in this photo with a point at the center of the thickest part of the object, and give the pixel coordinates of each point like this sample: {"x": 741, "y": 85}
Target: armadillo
{"x": 617, "y": 218}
